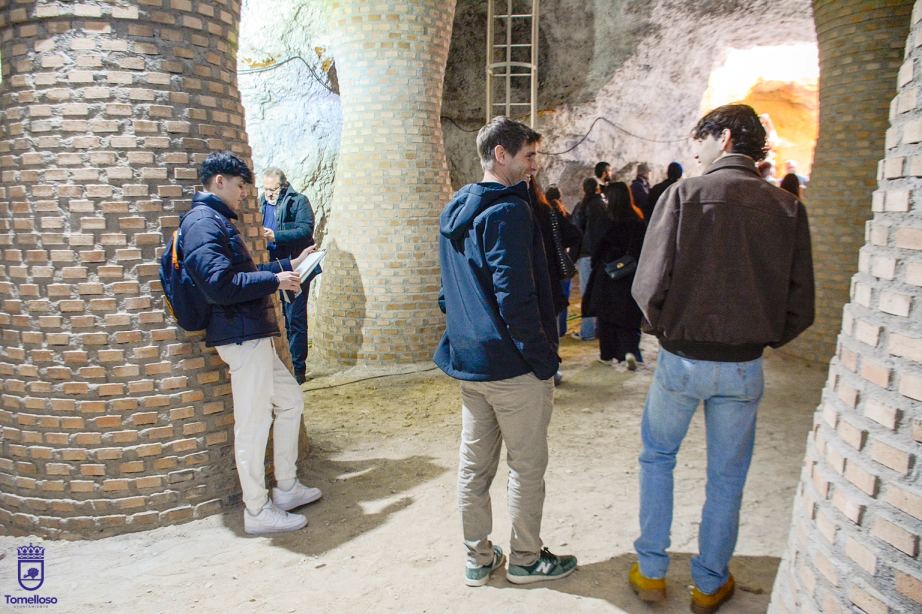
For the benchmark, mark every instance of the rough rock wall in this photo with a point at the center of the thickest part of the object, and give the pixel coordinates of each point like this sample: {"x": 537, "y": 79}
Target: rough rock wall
{"x": 378, "y": 295}
{"x": 642, "y": 65}
{"x": 293, "y": 109}
{"x": 857, "y": 518}
{"x": 112, "y": 419}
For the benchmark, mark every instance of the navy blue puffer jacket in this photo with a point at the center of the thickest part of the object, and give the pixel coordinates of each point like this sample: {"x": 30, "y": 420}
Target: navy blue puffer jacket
{"x": 217, "y": 259}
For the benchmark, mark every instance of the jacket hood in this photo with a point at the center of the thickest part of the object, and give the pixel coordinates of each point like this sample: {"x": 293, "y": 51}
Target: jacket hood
{"x": 210, "y": 200}
{"x": 471, "y": 200}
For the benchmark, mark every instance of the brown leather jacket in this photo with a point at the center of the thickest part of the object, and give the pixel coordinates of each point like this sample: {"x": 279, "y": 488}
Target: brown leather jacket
{"x": 726, "y": 267}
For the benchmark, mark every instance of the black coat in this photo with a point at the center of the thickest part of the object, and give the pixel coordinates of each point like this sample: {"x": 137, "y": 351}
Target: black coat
{"x": 590, "y": 218}
{"x": 655, "y": 192}
{"x": 608, "y": 298}
{"x": 570, "y": 237}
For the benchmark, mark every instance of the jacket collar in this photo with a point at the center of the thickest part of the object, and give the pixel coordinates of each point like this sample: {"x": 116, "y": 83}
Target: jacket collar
{"x": 208, "y": 199}
{"x": 733, "y": 161}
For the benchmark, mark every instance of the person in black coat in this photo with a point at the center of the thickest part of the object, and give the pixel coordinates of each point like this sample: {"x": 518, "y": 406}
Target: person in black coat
{"x": 617, "y": 315}
{"x": 570, "y": 237}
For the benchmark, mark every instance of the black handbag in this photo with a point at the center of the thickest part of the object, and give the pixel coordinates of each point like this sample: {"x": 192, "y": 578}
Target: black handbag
{"x": 564, "y": 263}
{"x": 622, "y": 267}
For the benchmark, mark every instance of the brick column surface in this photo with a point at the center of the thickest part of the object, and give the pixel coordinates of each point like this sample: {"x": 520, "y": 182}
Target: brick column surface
{"x": 860, "y": 49}
{"x": 112, "y": 419}
{"x": 857, "y": 517}
{"x": 378, "y": 295}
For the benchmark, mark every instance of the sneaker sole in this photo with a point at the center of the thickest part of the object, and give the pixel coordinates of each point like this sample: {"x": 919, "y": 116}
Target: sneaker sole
{"x": 482, "y": 581}
{"x": 296, "y": 506}
{"x": 272, "y": 531}
{"x": 533, "y": 579}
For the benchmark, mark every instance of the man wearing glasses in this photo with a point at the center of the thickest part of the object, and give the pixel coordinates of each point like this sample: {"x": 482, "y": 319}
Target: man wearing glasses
{"x": 288, "y": 227}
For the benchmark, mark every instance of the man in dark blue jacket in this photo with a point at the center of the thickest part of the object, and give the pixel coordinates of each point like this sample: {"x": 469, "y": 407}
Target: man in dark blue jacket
{"x": 241, "y": 328}
{"x": 288, "y": 226}
{"x": 501, "y": 342}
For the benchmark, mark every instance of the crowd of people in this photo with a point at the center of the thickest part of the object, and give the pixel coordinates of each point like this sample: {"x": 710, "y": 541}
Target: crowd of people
{"x": 713, "y": 281}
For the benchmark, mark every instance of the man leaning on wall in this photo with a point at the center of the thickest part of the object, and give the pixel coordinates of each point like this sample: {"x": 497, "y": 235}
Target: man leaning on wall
{"x": 726, "y": 270}
{"x": 241, "y": 328}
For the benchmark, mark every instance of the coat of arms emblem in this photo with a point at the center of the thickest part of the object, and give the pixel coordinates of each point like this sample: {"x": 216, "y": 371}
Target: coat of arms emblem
{"x": 31, "y": 567}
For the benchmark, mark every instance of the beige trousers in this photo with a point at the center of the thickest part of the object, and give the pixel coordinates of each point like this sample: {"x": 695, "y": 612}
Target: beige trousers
{"x": 262, "y": 385}
{"x": 517, "y": 411}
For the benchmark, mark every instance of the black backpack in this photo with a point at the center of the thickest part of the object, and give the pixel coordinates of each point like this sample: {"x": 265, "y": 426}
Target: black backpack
{"x": 181, "y": 296}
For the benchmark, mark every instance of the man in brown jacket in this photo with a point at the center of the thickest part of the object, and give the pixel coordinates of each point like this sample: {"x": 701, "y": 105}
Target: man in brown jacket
{"x": 725, "y": 270}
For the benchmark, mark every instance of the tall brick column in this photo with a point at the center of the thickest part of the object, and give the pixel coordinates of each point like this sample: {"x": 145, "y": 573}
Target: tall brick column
{"x": 858, "y": 513}
{"x": 860, "y": 49}
{"x": 112, "y": 419}
{"x": 378, "y": 296}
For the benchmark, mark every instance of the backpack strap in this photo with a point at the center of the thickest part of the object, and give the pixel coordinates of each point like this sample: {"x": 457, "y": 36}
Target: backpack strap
{"x": 175, "y": 250}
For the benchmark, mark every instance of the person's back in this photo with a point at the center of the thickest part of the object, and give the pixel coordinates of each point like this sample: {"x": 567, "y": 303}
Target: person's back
{"x": 673, "y": 173}
{"x": 725, "y": 270}
{"x": 735, "y": 241}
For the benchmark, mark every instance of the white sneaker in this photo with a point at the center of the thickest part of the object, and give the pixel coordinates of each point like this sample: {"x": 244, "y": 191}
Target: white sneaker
{"x": 631, "y": 361}
{"x": 296, "y": 497}
{"x": 271, "y": 519}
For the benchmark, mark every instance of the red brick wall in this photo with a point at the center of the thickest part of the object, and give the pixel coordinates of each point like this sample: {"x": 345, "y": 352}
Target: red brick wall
{"x": 858, "y": 514}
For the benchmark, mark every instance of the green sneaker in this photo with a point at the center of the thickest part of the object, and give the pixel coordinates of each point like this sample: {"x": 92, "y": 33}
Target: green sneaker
{"x": 478, "y": 576}
{"x": 548, "y": 567}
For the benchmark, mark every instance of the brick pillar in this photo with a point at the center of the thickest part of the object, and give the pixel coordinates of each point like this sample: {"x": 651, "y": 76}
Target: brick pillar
{"x": 860, "y": 49}
{"x": 378, "y": 295}
{"x": 112, "y": 419}
{"x": 858, "y": 512}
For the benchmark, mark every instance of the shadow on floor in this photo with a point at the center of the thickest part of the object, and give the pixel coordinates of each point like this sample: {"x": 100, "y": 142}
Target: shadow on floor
{"x": 358, "y": 496}
{"x": 607, "y": 581}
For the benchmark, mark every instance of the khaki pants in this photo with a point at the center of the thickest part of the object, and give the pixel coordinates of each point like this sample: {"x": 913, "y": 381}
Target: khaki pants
{"x": 517, "y": 411}
{"x": 262, "y": 385}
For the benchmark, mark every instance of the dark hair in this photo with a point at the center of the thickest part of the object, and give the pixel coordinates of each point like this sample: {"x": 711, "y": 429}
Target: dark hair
{"x": 501, "y": 130}
{"x": 224, "y": 163}
{"x": 747, "y": 134}
{"x": 620, "y": 202}
{"x": 791, "y": 183}
{"x": 600, "y": 168}
{"x": 589, "y": 187}
{"x": 765, "y": 169}
{"x": 552, "y": 192}
{"x": 674, "y": 171}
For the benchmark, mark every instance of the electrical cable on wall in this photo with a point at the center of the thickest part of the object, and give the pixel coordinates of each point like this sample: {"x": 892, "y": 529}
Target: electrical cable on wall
{"x": 250, "y": 71}
{"x": 585, "y": 136}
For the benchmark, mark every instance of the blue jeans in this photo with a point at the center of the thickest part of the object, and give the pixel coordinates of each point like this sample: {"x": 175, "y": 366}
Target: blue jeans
{"x": 731, "y": 392}
{"x": 296, "y": 329}
{"x": 586, "y": 325}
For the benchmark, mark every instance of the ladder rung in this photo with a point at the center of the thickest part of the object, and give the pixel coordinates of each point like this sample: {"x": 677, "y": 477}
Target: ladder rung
{"x": 526, "y": 16}
{"x": 515, "y": 74}
{"x": 512, "y": 104}
{"x": 515, "y": 45}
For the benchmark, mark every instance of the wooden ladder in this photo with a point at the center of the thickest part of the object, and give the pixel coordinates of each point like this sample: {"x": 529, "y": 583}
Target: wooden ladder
{"x": 506, "y": 58}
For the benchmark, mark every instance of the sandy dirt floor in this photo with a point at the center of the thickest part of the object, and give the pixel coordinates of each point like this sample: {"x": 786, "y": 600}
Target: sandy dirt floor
{"x": 386, "y": 535}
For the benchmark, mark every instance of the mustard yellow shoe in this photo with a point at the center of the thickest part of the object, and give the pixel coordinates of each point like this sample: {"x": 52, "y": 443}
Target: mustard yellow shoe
{"x": 651, "y": 590}
{"x": 708, "y": 604}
